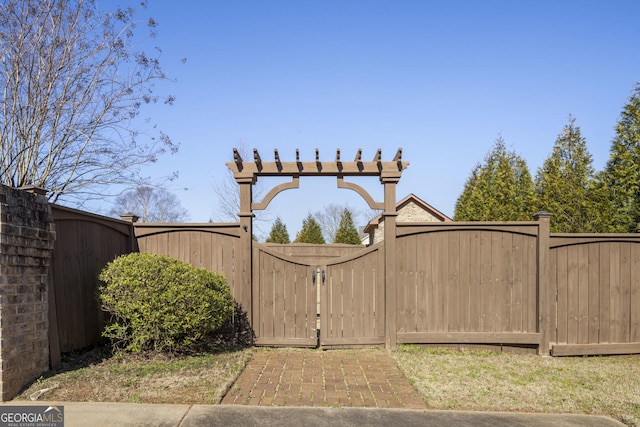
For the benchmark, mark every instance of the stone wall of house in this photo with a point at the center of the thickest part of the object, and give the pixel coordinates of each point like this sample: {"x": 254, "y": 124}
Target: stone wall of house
{"x": 26, "y": 243}
{"x": 408, "y": 213}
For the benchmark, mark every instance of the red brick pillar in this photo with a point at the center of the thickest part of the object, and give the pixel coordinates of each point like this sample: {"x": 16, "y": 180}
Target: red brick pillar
{"x": 26, "y": 244}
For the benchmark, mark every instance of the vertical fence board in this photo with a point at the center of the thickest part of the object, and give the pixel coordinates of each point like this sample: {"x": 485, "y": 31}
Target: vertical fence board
{"x": 359, "y": 297}
{"x": 506, "y": 305}
{"x": 424, "y": 283}
{"x": 624, "y": 314}
{"x": 267, "y": 290}
{"x": 605, "y": 293}
{"x": 615, "y": 327}
{"x": 465, "y": 281}
{"x": 594, "y": 297}
{"x": 572, "y": 288}
{"x": 634, "y": 299}
{"x": 302, "y": 312}
{"x": 369, "y": 296}
{"x": 583, "y": 294}
{"x": 485, "y": 280}
{"x": 442, "y": 274}
{"x": 562, "y": 294}
{"x": 453, "y": 283}
{"x": 553, "y": 276}
{"x": 405, "y": 285}
{"x": 283, "y": 274}
{"x": 498, "y": 272}
{"x": 379, "y": 294}
{"x": 531, "y": 275}
{"x": 475, "y": 283}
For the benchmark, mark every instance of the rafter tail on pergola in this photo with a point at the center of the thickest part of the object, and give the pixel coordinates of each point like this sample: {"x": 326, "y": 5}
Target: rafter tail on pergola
{"x": 377, "y": 167}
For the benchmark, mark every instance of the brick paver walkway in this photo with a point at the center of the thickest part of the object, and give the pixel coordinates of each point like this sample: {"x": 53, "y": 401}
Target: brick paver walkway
{"x": 336, "y": 378}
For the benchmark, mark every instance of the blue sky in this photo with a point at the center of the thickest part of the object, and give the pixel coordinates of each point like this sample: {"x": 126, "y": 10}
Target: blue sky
{"x": 441, "y": 79}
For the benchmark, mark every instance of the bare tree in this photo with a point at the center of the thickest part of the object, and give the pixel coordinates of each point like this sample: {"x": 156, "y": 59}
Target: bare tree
{"x": 330, "y": 217}
{"x": 329, "y": 220}
{"x": 71, "y": 83}
{"x": 228, "y": 192}
{"x": 151, "y": 205}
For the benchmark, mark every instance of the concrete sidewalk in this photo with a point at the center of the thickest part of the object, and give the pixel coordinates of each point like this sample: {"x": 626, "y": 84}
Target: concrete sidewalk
{"x": 82, "y": 414}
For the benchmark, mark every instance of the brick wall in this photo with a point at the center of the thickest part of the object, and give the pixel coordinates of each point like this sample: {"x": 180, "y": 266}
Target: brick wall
{"x": 26, "y": 243}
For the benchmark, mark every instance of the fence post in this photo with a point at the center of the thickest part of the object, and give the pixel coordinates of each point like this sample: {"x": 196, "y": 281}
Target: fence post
{"x": 545, "y": 300}
{"x": 244, "y": 262}
{"x": 390, "y": 280}
{"x": 131, "y": 241}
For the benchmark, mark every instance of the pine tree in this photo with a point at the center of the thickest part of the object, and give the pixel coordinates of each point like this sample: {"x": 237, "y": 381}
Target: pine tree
{"x": 347, "y": 232}
{"x": 310, "y": 232}
{"x": 501, "y": 189}
{"x": 279, "y": 233}
{"x": 563, "y": 181}
{"x": 618, "y": 186}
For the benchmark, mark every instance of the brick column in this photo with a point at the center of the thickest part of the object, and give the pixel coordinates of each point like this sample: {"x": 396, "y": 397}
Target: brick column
{"x": 26, "y": 243}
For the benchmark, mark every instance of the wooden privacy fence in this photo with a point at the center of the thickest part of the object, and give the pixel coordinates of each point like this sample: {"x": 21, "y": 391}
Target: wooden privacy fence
{"x": 468, "y": 283}
{"x": 500, "y": 284}
{"x": 210, "y": 246}
{"x": 84, "y": 244}
{"x": 597, "y": 286}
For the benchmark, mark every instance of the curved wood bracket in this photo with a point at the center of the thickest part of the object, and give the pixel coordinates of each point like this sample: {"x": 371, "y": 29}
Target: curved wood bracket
{"x": 295, "y": 183}
{"x": 362, "y": 192}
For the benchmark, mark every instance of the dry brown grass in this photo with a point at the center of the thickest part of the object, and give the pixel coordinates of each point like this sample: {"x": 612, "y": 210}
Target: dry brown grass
{"x": 446, "y": 379}
{"x": 98, "y": 377}
{"x": 489, "y": 381}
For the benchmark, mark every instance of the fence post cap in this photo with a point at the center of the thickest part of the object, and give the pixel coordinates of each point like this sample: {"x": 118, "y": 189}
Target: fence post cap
{"x": 34, "y": 189}
{"x": 129, "y": 217}
{"x": 540, "y": 215}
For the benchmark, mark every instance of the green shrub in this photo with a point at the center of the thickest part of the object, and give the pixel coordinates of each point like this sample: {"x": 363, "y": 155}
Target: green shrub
{"x": 161, "y": 304}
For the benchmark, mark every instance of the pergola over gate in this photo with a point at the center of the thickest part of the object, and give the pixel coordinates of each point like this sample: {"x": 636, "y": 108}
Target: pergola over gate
{"x": 247, "y": 172}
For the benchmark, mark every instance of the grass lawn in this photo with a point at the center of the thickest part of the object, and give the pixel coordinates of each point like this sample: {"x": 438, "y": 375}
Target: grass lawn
{"x": 98, "y": 377}
{"x": 446, "y": 379}
{"x": 490, "y": 381}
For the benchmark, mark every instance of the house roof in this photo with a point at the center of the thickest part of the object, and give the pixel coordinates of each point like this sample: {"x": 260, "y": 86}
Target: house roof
{"x": 411, "y": 198}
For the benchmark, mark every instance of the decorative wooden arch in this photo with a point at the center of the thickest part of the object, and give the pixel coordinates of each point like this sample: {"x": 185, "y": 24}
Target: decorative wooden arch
{"x": 247, "y": 172}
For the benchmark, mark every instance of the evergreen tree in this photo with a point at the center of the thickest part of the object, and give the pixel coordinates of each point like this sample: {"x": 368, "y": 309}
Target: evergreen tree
{"x": 347, "y": 232}
{"x": 617, "y": 190}
{"x": 563, "y": 181}
{"x": 311, "y": 232}
{"x": 501, "y": 189}
{"x": 279, "y": 233}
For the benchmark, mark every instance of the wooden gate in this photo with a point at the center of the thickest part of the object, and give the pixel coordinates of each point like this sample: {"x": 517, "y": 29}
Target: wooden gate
{"x": 282, "y": 289}
{"x": 285, "y": 297}
{"x": 352, "y": 299}
{"x": 312, "y": 301}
